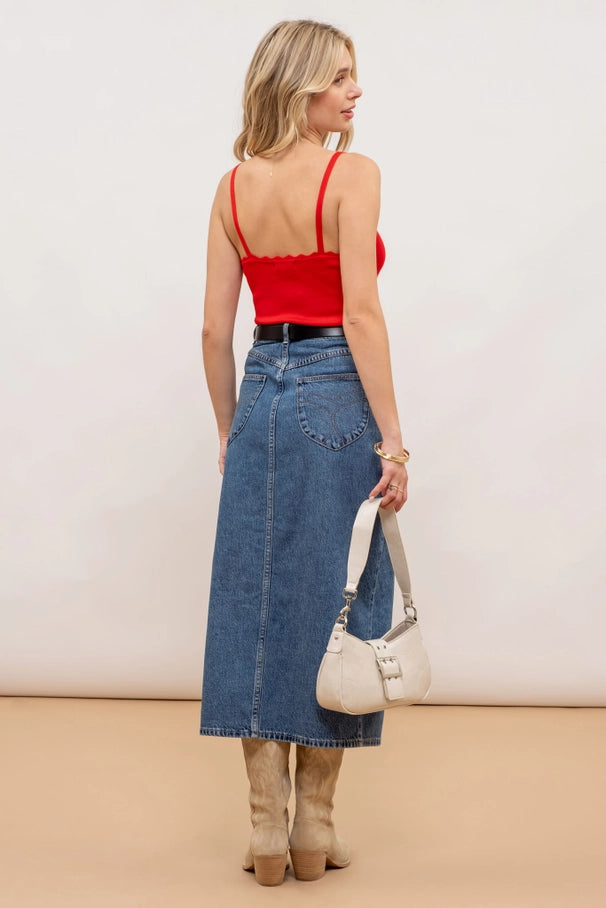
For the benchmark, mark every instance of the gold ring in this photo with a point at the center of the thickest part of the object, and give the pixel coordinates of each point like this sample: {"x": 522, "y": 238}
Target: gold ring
{"x": 392, "y": 488}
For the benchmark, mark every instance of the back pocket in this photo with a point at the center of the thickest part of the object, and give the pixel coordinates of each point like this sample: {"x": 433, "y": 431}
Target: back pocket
{"x": 250, "y": 388}
{"x": 332, "y": 409}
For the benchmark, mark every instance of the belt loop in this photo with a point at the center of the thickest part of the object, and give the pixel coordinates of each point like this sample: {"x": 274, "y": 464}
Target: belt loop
{"x": 285, "y": 335}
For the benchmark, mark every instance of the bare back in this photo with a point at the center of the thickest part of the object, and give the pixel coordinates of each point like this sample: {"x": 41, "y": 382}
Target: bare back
{"x": 276, "y": 203}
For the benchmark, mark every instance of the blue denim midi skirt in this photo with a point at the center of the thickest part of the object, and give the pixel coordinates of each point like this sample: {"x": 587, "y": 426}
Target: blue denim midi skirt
{"x": 299, "y": 463}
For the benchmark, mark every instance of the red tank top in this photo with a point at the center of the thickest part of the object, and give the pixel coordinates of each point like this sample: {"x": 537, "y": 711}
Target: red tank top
{"x": 302, "y": 289}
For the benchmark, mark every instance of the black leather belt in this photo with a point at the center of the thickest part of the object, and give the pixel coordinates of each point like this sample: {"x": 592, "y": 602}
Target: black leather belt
{"x": 297, "y": 332}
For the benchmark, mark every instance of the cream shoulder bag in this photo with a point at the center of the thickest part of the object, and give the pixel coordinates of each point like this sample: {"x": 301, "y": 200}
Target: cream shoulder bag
{"x": 364, "y": 676}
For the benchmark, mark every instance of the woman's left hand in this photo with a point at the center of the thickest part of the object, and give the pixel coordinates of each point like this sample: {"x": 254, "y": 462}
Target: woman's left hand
{"x": 222, "y": 451}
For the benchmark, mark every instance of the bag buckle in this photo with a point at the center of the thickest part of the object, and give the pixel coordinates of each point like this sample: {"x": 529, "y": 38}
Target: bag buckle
{"x": 391, "y": 674}
{"x": 389, "y": 666}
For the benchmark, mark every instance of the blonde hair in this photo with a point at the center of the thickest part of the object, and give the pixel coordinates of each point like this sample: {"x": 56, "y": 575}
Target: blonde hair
{"x": 295, "y": 60}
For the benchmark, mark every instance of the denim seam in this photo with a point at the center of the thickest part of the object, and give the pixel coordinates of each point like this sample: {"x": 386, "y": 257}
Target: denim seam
{"x": 268, "y": 554}
{"x": 306, "y": 361}
{"x": 330, "y": 376}
{"x": 318, "y": 357}
{"x": 265, "y": 359}
{"x": 359, "y": 741}
{"x": 260, "y": 380}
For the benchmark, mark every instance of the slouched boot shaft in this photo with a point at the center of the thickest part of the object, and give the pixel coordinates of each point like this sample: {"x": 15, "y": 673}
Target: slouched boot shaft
{"x": 267, "y": 768}
{"x": 314, "y": 844}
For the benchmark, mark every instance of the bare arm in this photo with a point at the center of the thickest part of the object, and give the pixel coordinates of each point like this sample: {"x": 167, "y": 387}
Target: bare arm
{"x": 363, "y": 320}
{"x": 223, "y": 281}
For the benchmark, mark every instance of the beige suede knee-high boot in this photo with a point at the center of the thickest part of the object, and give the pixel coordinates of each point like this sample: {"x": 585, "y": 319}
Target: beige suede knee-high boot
{"x": 267, "y": 768}
{"x": 314, "y": 844}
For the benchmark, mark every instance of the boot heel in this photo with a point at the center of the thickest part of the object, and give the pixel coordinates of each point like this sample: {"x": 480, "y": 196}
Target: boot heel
{"x": 308, "y": 865}
{"x": 270, "y": 869}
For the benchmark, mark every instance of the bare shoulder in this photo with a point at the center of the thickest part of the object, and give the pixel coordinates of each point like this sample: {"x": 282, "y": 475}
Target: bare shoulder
{"x": 359, "y": 166}
{"x": 221, "y": 203}
{"x": 223, "y": 185}
{"x": 358, "y": 181}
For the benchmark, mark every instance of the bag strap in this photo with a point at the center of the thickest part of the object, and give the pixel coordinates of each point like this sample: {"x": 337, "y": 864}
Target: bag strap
{"x": 359, "y": 548}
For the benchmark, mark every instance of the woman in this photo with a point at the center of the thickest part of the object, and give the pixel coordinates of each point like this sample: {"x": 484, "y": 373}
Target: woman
{"x": 296, "y": 449}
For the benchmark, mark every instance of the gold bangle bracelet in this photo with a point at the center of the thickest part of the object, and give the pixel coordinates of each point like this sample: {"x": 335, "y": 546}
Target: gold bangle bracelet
{"x": 404, "y": 457}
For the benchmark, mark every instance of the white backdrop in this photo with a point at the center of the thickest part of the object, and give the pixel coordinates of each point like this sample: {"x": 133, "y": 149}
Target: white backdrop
{"x": 487, "y": 120}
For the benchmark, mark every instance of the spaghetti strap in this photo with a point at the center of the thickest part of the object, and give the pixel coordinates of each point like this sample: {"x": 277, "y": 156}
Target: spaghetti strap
{"x": 323, "y": 184}
{"x": 232, "y": 195}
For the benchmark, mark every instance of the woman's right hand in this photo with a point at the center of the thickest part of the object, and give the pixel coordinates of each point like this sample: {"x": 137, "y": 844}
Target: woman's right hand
{"x": 392, "y": 486}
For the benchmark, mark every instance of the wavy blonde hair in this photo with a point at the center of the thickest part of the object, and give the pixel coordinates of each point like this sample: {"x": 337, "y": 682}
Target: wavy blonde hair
{"x": 295, "y": 60}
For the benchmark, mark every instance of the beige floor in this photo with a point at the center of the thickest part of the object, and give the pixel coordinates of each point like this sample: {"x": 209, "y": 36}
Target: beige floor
{"x": 120, "y": 803}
